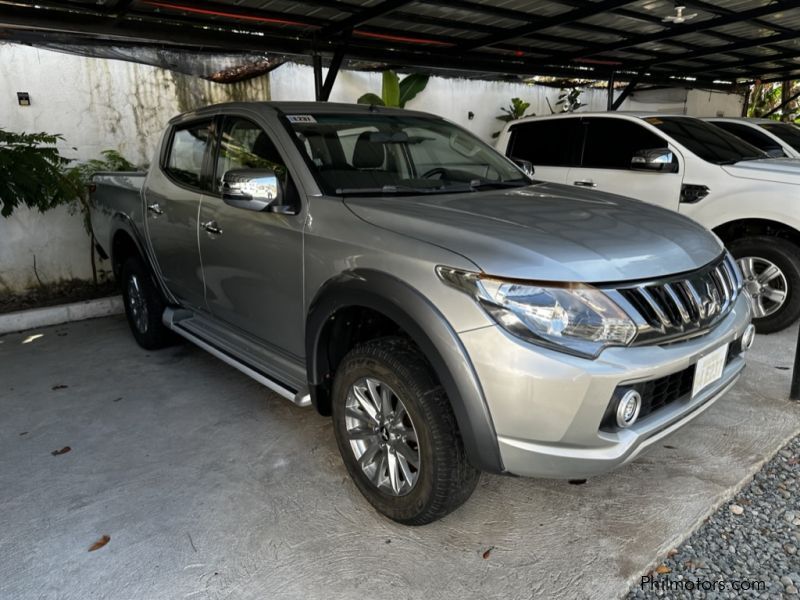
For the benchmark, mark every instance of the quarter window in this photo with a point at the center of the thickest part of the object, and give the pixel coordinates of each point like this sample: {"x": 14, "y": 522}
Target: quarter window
{"x": 611, "y": 143}
{"x": 188, "y": 149}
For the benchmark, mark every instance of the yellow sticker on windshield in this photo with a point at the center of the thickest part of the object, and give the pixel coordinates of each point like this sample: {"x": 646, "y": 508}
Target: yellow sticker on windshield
{"x": 654, "y": 121}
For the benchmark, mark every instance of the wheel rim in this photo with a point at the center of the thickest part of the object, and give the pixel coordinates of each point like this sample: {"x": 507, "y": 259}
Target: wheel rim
{"x": 382, "y": 436}
{"x": 765, "y": 283}
{"x": 136, "y": 304}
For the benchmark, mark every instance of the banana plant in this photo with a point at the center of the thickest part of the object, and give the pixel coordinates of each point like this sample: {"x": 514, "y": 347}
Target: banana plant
{"x": 395, "y": 92}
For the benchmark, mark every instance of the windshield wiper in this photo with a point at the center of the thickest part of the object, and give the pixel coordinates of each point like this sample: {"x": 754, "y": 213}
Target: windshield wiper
{"x": 388, "y": 190}
{"x": 479, "y": 185}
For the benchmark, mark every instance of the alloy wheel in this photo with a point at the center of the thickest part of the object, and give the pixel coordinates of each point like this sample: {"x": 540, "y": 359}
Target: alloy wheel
{"x": 765, "y": 283}
{"x": 137, "y": 304}
{"x": 382, "y": 436}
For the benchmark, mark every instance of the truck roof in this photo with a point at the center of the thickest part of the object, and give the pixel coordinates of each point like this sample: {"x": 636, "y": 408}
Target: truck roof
{"x": 293, "y": 107}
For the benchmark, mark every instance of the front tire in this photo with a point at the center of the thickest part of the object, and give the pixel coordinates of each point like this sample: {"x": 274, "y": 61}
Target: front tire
{"x": 771, "y": 270}
{"x": 397, "y": 433}
{"x": 144, "y": 306}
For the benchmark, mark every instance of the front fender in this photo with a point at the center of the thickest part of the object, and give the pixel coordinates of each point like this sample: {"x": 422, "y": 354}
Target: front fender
{"x": 429, "y": 330}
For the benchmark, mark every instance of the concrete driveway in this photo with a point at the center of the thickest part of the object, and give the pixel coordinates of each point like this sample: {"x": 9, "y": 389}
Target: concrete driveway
{"x": 209, "y": 486}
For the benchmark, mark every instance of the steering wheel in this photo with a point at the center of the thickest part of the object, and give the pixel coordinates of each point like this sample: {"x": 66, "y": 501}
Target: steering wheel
{"x": 435, "y": 171}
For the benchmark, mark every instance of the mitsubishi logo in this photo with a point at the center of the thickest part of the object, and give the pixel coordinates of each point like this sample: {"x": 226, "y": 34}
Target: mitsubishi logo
{"x": 710, "y": 304}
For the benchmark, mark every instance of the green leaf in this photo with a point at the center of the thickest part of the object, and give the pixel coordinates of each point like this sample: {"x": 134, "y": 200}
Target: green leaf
{"x": 411, "y": 86}
{"x": 391, "y": 89}
{"x": 370, "y": 98}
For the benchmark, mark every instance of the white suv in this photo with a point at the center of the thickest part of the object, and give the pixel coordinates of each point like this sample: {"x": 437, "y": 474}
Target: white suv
{"x": 773, "y": 137}
{"x": 751, "y": 201}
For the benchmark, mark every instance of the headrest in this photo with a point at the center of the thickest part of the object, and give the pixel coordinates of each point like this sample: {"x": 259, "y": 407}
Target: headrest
{"x": 368, "y": 154}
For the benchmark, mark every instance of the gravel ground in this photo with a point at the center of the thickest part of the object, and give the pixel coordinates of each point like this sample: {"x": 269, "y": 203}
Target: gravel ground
{"x": 753, "y": 538}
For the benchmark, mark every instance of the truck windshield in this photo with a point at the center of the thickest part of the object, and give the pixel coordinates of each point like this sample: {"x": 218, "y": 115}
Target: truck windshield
{"x": 707, "y": 141}
{"x": 787, "y": 132}
{"x": 377, "y": 154}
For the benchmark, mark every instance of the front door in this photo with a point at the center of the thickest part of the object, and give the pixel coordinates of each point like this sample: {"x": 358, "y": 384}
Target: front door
{"x": 253, "y": 261}
{"x": 605, "y": 165}
{"x": 172, "y": 201}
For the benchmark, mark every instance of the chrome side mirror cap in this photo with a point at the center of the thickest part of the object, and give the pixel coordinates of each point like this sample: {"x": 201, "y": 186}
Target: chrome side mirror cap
{"x": 661, "y": 160}
{"x": 253, "y": 189}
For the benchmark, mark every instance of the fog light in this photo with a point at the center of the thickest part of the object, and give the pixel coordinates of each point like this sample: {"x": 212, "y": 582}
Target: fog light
{"x": 748, "y": 337}
{"x": 628, "y": 408}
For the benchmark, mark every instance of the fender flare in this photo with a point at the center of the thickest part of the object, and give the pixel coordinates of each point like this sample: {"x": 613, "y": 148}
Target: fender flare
{"x": 429, "y": 330}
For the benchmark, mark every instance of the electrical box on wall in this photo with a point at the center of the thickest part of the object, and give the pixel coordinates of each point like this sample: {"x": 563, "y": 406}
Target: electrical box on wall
{"x": 23, "y": 98}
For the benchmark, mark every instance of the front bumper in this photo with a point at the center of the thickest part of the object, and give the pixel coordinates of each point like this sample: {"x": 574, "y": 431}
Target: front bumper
{"x": 547, "y": 407}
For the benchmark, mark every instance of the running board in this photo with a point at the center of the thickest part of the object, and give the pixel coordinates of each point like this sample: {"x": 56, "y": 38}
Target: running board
{"x": 172, "y": 318}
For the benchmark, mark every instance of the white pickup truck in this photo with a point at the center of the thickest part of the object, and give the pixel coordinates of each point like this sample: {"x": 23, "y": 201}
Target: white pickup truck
{"x": 747, "y": 198}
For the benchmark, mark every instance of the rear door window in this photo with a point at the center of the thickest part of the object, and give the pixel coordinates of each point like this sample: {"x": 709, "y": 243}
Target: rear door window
{"x": 551, "y": 142}
{"x": 611, "y": 143}
{"x": 188, "y": 152}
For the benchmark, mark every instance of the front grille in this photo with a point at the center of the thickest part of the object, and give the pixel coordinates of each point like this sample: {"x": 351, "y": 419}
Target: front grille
{"x": 682, "y": 305}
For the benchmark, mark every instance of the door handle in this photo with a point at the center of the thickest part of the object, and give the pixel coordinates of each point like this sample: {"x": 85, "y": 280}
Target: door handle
{"x": 212, "y": 227}
{"x": 155, "y": 208}
{"x": 585, "y": 183}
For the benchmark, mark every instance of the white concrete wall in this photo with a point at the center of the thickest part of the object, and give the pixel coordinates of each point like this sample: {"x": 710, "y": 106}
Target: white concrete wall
{"x": 101, "y": 104}
{"x": 96, "y": 105}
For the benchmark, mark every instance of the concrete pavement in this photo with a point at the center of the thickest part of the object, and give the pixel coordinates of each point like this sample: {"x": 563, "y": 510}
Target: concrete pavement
{"x": 211, "y": 487}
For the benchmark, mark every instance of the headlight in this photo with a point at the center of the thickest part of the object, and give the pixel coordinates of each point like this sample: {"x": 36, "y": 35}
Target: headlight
{"x": 571, "y": 317}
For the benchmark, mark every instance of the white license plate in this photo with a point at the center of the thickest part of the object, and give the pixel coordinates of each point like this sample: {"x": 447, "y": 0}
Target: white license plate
{"x": 709, "y": 369}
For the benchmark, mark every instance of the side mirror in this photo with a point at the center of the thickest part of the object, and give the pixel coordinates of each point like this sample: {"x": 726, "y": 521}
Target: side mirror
{"x": 525, "y": 165}
{"x": 254, "y": 189}
{"x": 661, "y": 160}
{"x": 775, "y": 152}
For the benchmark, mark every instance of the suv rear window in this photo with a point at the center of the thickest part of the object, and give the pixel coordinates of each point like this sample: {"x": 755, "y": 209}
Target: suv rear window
{"x": 545, "y": 143}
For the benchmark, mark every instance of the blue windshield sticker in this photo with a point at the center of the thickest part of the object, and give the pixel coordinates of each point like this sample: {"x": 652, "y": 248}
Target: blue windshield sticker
{"x": 301, "y": 119}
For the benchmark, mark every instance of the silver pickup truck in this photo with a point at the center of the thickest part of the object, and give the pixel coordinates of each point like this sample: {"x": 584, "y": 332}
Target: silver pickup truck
{"x": 451, "y": 314}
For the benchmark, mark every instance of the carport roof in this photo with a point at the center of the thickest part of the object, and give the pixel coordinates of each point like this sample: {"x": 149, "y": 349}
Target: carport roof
{"x": 728, "y": 42}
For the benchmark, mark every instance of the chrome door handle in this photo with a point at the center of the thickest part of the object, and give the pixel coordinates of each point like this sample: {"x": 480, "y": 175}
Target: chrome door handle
{"x": 155, "y": 208}
{"x": 212, "y": 227}
{"x": 585, "y": 183}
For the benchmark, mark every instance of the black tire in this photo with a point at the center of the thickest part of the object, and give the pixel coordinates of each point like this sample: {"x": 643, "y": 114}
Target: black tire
{"x": 145, "y": 311}
{"x": 444, "y": 479}
{"x": 784, "y": 255}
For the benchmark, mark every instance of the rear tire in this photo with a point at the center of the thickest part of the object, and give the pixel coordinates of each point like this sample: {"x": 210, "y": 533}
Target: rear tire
{"x": 144, "y": 306}
{"x": 410, "y": 421}
{"x": 771, "y": 269}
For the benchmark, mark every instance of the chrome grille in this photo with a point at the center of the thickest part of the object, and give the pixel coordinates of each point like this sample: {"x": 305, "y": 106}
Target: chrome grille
{"x": 685, "y": 304}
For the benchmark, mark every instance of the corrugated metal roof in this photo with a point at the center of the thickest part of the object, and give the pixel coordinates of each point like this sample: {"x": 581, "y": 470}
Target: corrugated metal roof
{"x": 747, "y": 39}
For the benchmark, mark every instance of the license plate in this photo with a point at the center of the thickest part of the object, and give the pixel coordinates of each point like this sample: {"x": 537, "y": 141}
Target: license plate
{"x": 709, "y": 369}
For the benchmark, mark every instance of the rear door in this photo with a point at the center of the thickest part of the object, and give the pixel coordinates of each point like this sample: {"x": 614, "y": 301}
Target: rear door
{"x": 253, "y": 261}
{"x": 172, "y": 199}
{"x": 551, "y": 146}
{"x": 605, "y": 163}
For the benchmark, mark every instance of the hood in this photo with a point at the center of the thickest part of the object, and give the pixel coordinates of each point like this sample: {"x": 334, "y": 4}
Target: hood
{"x": 549, "y": 232}
{"x": 781, "y": 170}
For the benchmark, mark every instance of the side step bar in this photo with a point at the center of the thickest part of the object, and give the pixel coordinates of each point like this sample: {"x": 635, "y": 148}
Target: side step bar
{"x": 173, "y": 317}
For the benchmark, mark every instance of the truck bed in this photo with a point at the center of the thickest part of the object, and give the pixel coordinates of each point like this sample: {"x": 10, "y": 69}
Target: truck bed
{"x": 117, "y": 195}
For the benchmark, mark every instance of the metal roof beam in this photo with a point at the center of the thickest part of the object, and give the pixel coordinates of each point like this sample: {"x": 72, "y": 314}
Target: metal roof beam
{"x": 362, "y": 16}
{"x": 570, "y": 16}
{"x": 683, "y": 29}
